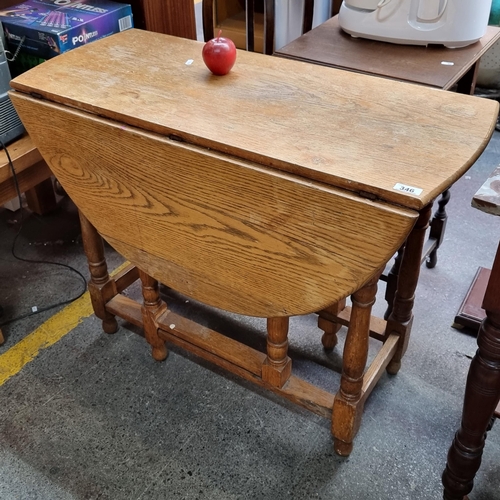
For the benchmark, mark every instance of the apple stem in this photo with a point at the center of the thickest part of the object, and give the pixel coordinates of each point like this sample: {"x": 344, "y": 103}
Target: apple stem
{"x": 218, "y": 35}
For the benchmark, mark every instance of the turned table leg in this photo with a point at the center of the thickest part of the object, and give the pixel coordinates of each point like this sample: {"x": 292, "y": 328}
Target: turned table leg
{"x": 482, "y": 394}
{"x": 438, "y": 226}
{"x": 277, "y": 368}
{"x": 401, "y": 317}
{"x": 329, "y": 327}
{"x": 349, "y": 401}
{"x": 152, "y": 309}
{"x": 101, "y": 287}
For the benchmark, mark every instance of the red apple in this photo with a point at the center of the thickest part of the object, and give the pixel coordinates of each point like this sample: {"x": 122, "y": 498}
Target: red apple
{"x": 219, "y": 54}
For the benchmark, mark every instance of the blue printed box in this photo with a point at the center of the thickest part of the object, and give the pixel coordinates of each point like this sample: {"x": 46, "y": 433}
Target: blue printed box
{"x": 46, "y": 28}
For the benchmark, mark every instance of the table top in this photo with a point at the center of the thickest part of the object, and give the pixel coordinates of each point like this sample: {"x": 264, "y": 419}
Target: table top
{"x": 385, "y": 139}
{"x": 487, "y": 198}
{"x": 435, "y": 66}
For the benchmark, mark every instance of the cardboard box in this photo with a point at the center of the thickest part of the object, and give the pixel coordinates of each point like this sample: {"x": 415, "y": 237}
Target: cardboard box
{"x": 51, "y": 27}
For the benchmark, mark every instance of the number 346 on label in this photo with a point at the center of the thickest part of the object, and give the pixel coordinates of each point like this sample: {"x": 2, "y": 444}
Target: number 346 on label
{"x": 408, "y": 189}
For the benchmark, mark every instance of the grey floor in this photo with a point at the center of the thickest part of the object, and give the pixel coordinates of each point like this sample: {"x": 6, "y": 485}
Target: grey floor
{"x": 95, "y": 417}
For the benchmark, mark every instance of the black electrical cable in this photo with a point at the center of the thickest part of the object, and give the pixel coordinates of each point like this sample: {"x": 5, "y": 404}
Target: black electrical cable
{"x": 32, "y": 261}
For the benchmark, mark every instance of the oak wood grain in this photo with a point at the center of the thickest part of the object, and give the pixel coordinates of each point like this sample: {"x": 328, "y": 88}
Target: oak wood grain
{"x": 344, "y": 129}
{"x": 229, "y": 233}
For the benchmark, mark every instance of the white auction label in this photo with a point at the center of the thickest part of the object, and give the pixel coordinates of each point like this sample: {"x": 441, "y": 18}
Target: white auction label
{"x": 408, "y": 189}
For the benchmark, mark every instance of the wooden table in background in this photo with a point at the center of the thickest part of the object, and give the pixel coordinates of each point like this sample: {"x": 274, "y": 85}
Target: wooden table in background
{"x": 433, "y": 66}
{"x": 482, "y": 392}
{"x": 233, "y": 191}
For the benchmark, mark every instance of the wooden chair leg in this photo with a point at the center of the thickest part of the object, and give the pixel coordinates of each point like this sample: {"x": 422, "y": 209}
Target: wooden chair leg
{"x": 467, "y": 84}
{"x": 277, "y": 368}
{"x": 330, "y": 328}
{"x": 101, "y": 287}
{"x": 482, "y": 394}
{"x": 348, "y": 403}
{"x": 152, "y": 309}
{"x": 401, "y": 317}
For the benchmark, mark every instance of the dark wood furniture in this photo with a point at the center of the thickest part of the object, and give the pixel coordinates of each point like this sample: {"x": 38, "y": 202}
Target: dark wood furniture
{"x": 482, "y": 392}
{"x": 172, "y": 17}
{"x": 470, "y": 314}
{"x": 336, "y": 7}
{"x": 433, "y": 66}
{"x": 268, "y": 22}
{"x": 255, "y": 213}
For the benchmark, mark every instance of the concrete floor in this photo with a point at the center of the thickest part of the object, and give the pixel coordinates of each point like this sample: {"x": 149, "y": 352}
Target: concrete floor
{"x": 95, "y": 417}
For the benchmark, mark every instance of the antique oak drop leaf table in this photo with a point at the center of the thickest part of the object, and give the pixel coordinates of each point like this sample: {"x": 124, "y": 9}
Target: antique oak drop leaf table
{"x": 232, "y": 191}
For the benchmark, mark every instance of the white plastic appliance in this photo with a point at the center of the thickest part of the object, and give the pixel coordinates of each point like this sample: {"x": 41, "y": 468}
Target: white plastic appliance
{"x": 453, "y": 23}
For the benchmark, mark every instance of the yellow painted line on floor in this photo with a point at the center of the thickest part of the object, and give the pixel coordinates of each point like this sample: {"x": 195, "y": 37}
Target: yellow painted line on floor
{"x": 54, "y": 329}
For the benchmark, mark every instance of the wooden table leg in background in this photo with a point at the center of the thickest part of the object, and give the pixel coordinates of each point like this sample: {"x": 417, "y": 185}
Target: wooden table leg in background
{"x": 329, "y": 326}
{"x": 466, "y": 85}
{"x": 392, "y": 282}
{"x": 438, "y": 226}
{"x": 482, "y": 394}
{"x": 336, "y": 7}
